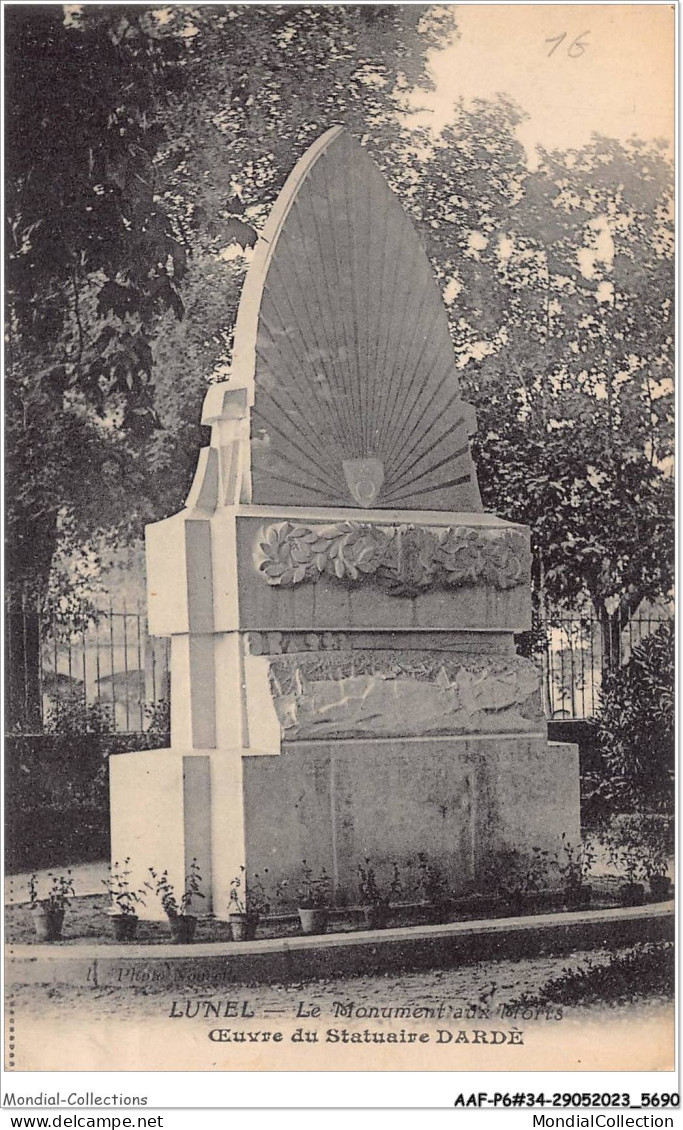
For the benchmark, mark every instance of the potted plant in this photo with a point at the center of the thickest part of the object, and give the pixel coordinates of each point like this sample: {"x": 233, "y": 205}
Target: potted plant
{"x": 624, "y": 843}
{"x": 48, "y": 912}
{"x": 314, "y": 898}
{"x": 656, "y": 834}
{"x": 125, "y": 900}
{"x": 434, "y": 889}
{"x": 178, "y": 910}
{"x": 248, "y": 902}
{"x": 574, "y": 865}
{"x": 504, "y": 884}
{"x": 376, "y": 903}
{"x": 516, "y": 879}
{"x": 535, "y": 867}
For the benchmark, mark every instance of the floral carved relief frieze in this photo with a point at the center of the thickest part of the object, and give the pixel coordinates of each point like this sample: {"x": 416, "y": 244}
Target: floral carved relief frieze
{"x": 403, "y": 559}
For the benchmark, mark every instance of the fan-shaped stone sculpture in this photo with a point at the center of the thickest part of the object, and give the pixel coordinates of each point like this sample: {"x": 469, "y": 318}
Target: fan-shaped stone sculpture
{"x": 341, "y": 611}
{"x": 345, "y": 336}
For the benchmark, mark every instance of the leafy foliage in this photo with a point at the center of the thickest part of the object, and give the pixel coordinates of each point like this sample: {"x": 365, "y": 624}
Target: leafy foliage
{"x": 574, "y": 390}
{"x": 266, "y": 81}
{"x": 405, "y": 559}
{"x": 159, "y": 139}
{"x": 513, "y": 874}
{"x": 559, "y": 284}
{"x": 58, "y": 787}
{"x": 176, "y": 905}
{"x": 575, "y": 861}
{"x": 373, "y": 893}
{"x": 137, "y": 137}
{"x": 635, "y": 726}
{"x": 58, "y": 895}
{"x": 646, "y": 970}
{"x": 250, "y": 898}
{"x": 315, "y": 891}
{"x": 81, "y": 189}
{"x": 639, "y": 844}
{"x": 92, "y": 260}
{"x": 125, "y": 898}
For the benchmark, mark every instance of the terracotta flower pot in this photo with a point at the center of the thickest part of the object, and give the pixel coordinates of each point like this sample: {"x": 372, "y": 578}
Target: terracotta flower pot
{"x": 660, "y": 887}
{"x": 125, "y": 926}
{"x": 47, "y": 922}
{"x": 243, "y": 926}
{"x": 183, "y": 928}
{"x": 314, "y": 919}
{"x": 632, "y": 894}
{"x": 376, "y": 916}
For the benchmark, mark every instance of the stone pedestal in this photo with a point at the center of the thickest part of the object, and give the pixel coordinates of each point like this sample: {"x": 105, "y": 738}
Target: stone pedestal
{"x": 371, "y": 704}
{"x": 344, "y": 680}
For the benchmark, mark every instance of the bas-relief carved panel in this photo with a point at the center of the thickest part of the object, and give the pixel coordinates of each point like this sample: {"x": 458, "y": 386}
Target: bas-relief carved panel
{"x": 387, "y": 693}
{"x": 403, "y": 559}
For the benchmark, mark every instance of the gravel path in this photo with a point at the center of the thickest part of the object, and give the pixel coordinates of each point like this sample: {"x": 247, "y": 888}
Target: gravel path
{"x": 463, "y": 1014}
{"x": 488, "y": 984}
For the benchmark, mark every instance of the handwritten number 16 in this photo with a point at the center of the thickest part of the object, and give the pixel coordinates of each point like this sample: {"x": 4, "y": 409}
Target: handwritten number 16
{"x": 576, "y": 48}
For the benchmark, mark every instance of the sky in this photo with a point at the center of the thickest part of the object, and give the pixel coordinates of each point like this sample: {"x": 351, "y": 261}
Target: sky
{"x": 574, "y": 68}
{"x": 612, "y": 73}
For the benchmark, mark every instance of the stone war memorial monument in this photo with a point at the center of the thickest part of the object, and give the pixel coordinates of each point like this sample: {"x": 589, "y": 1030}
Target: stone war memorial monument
{"x": 341, "y": 610}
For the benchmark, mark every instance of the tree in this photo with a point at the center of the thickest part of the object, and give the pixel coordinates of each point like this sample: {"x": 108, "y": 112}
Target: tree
{"x": 597, "y": 429}
{"x": 635, "y": 726}
{"x": 163, "y": 132}
{"x": 134, "y": 136}
{"x": 92, "y": 259}
{"x": 560, "y": 283}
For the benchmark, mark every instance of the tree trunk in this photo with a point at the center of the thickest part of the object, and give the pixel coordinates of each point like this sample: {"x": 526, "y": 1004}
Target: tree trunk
{"x": 23, "y": 666}
{"x": 29, "y": 551}
{"x": 610, "y": 630}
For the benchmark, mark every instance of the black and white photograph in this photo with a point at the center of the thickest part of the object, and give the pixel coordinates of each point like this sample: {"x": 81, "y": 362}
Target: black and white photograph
{"x": 339, "y": 561}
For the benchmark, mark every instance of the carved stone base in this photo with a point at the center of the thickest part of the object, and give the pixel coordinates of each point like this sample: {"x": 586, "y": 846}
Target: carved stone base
{"x": 459, "y": 800}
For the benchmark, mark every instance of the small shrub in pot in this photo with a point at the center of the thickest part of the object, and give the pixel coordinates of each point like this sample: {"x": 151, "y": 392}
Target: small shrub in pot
{"x": 656, "y": 832}
{"x": 314, "y": 898}
{"x": 635, "y": 727}
{"x": 516, "y": 878}
{"x": 376, "y": 900}
{"x": 48, "y": 912}
{"x": 623, "y": 839}
{"x": 125, "y": 901}
{"x": 434, "y": 889}
{"x": 248, "y": 904}
{"x": 181, "y": 921}
{"x": 574, "y": 865}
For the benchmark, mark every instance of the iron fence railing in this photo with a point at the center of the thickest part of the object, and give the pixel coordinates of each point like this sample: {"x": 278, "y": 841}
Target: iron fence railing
{"x": 105, "y": 663}
{"x": 577, "y": 653}
{"x": 109, "y": 664}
